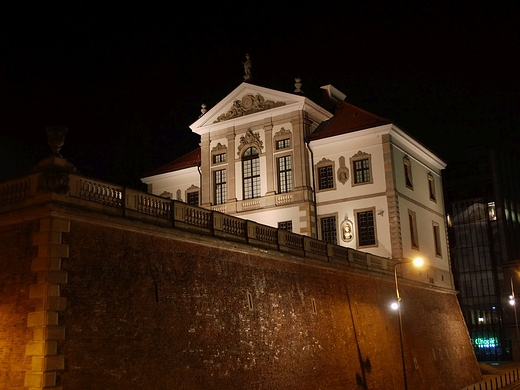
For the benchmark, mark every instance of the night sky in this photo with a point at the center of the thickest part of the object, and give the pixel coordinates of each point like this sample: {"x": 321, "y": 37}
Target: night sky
{"x": 128, "y": 80}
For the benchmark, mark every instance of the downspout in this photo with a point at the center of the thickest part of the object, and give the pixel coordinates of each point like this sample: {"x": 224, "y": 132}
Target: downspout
{"x": 200, "y": 183}
{"x": 313, "y": 186}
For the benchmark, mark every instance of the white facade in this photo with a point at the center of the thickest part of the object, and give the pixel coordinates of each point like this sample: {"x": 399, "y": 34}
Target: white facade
{"x": 350, "y": 178}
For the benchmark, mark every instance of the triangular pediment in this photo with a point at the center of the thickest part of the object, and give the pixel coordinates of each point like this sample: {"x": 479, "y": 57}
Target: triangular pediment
{"x": 247, "y": 103}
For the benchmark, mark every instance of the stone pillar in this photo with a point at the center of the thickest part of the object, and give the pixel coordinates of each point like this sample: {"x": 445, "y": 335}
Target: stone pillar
{"x": 44, "y": 321}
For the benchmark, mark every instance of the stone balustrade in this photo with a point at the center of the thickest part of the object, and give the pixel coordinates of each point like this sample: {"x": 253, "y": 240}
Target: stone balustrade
{"x": 150, "y": 208}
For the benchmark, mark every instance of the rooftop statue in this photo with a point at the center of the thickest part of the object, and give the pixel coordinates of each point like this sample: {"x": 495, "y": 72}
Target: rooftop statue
{"x": 247, "y": 68}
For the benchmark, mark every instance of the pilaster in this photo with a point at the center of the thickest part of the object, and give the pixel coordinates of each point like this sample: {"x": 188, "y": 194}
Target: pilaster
{"x": 205, "y": 167}
{"x": 392, "y": 199}
{"x": 269, "y": 151}
{"x": 46, "y": 362}
{"x": 231, "y": 189}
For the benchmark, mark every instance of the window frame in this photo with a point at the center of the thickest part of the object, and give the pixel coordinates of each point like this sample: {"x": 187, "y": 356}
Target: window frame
{"x": 334, "y": 230}
{"x": 431, "y": 188}
{"x": 219, "y": 150}
{"x": 189, "y": 192}
{"x": 253, "y": 160}
{"x": 324, "y": 164}
{"x": 285, "y": 176}
{"x": 359, "y": 228}
{"x": 414, "y": 234}
{"x": 359, "y": 157}
{"x": 408, "y": 176}
{"x": 285, "y": 225}
{"x": 286, "y": 143}
{"x": 437, "y": 239}
{"x": 219, "y": 186}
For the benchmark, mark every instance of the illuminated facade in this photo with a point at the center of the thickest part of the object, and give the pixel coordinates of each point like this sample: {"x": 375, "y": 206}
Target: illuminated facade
{"x": 482, "y": 194}
{"x": 347, "y": 176}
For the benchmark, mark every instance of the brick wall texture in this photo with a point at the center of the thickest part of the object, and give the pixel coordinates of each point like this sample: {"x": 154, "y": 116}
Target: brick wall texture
{"x": 162, "y": 310}
{"x": 15, "y": 278}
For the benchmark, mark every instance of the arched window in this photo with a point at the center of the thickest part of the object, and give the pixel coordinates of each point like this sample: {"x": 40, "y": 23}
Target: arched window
{"x": 251, "y": 173}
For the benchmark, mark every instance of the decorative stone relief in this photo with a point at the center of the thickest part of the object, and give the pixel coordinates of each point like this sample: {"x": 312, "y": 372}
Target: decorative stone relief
{"x": 342, "y": 171}
{"x": 249, "y": 104}
{"x": 166, "y": 194}
{"x": 52, "y": 181}
{"x": 347, "y": 229}
{"x": 360, "y": 154}
{"x": 179, "y": 195}
{"x": 283, "y": 132}
{"x": 250, "y": 139}
{"x": 219, "y": 148}
{"x": 324, "y": 161}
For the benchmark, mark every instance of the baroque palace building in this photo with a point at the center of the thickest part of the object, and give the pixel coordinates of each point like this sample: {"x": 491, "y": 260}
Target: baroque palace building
{"x": 347, "y": 177}
{"x": 266, "y": 259}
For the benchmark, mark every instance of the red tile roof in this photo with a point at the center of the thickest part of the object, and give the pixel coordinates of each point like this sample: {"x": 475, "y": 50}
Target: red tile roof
{"x": 348, "y": 118}
{"x": 191, "y": 159}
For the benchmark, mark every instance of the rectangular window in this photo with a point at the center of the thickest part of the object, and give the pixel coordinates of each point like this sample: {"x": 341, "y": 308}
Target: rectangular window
{"x": 285, "y": 183}
{"x": 193, "y": 198}
{"x": 219, "y": 158}
{"x": 325, "y": 177}
{"x": 414, "y": 239}
{"x": 251, "y": 172}
{"x": 283, "y": 143}
{"x": 285, "y": 225}
{"x": 431, "y": 187}
{"x": 492, "y": 214}
{"x": 408, "y": 172}
{"x": 437, "y": 239}
{"x": 219, "y": 178}
{"x": 362, "y": 171}
{"x": 366, "y": 228}
{"x": 328, "y": 230}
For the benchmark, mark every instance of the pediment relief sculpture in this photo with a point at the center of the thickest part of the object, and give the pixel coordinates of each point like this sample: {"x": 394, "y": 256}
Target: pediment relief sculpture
{"x": 249, "y": 104}
{"x": 250, "y": 139}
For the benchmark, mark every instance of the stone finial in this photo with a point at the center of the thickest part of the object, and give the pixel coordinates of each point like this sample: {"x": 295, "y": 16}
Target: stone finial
{"x": 247, "y": 68}
{"x": 203, "y": 109}
{"x": 56, "y": 138}
{"x": 298, "y": 85}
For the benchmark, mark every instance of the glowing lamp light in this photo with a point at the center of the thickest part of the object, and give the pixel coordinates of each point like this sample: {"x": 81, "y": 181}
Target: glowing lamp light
{"x": 394, "y": 306}
{"x": 418, "y": 262}
{"x": 511, "y": 300}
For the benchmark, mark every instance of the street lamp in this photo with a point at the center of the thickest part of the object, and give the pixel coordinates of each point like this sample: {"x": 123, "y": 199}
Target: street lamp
{"x": 418, "y": 262}
{"x": 512, "y": 302}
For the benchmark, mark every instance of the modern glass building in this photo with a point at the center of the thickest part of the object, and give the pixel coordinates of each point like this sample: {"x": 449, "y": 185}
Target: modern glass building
{"x": 482, "y": 197}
